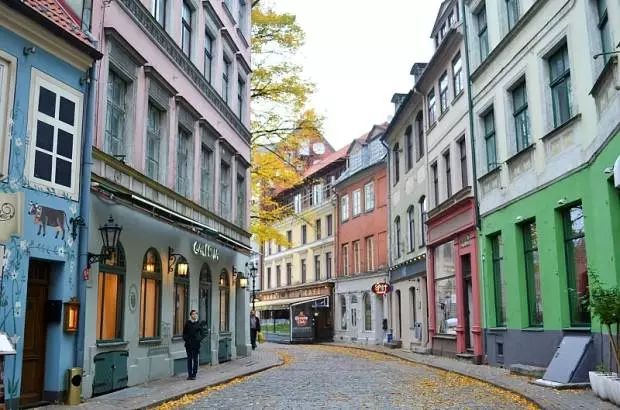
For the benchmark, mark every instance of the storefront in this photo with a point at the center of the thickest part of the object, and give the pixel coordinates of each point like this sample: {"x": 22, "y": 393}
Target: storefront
{"x": 453, "y": 281}
{"x": 297, "y": 314}
{"x": 140, "y": 296}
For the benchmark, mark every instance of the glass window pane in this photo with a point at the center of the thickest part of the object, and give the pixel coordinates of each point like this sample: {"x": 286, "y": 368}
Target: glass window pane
{"x": 43, "y": 166}
{"x": 108, "y": 293}
{"x": 45, "y": 136}
{"x": 67, "y": 111}
{"x": 445, "y": 299}
{"x": 47, "y": 102}
{"x": 64, "y": 146}
{"x": 63, "y": 172}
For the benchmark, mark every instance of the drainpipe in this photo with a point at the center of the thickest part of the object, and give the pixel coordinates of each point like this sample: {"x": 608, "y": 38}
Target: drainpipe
{"x": 87, "y": 159}
{"x": 389, "y": 241}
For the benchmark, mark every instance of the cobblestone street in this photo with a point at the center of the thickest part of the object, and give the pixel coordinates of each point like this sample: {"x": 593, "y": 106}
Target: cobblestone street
{"x": 329, "y": 377}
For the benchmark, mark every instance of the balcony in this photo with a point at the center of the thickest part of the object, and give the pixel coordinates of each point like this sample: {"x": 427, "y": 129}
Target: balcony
{"x": 319, "y": 195}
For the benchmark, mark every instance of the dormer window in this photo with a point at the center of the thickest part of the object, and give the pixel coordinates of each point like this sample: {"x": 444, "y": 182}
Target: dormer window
{"x": 451, "y": 19}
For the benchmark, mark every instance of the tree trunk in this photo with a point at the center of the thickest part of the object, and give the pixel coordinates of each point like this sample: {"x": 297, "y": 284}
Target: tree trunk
{"x": 614, "y": 348}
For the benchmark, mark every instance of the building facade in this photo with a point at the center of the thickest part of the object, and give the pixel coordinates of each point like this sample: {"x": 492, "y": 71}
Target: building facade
{"x": 452, "y": 247}
{"x": 44, "y": 123}
{"x": 546, "y": 124}
{"x": 170, "y": 166}
{"x": 361, "y": 241}
{"x": 405, "y": 140}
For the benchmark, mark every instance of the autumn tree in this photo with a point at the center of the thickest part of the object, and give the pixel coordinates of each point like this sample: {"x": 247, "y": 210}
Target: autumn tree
{"x": 281, "y": 120}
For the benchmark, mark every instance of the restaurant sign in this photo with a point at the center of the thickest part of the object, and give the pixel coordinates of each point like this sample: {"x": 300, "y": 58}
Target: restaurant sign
{"x": 381, "y": 288}
{"x": 206, "y": 250}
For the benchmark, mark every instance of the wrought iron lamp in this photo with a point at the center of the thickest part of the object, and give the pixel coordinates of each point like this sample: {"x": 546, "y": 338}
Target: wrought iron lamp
{"x": 175, "y": 259}
{"x": 110, "y": 234}
{"x": 252, "y": 270}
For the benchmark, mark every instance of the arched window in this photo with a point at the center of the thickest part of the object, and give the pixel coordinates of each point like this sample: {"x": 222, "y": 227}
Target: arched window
{"x": 419, "y": 125}
{"x": 397, "y": 237}
{"x": 204, "y": 294}
{"x": 224, "y": 300}
{"x": 367, "y": 312}
{"x": 150, "y": 295}
{"x": 110, "y": 295}
{"x": 181, "y": 294}
{"x": 411, "y": 228}
{"x": 409, "y": 146}
{"x": 343, "y": 312}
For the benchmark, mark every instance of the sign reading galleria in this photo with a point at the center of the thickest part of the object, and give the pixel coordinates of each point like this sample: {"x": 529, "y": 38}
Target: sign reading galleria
{"x": 206, "y": 250}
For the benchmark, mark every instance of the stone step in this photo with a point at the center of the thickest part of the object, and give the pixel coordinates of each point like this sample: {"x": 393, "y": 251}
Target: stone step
{"x": 527, "y": 370}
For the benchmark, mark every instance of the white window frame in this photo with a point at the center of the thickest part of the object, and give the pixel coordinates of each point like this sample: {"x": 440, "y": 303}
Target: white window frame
{"x": 345, "y": 259}
{"x": 297, "y": 203}
{"x": 154, "y": 4}
{"x": 369, "y": 196}
{"x": 8, "y": 74}
{"x": 317, "y": 194}
{"x": 37, "y": 80}
{"x": 357, "y": 261}
{"x": 357, "y": 202}
{"x": 344, "y": 208}
{"x": 370, "y": 253}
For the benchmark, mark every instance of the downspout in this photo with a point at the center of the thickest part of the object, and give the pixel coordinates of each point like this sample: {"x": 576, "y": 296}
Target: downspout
{"x": 389, "y": 241}
{"x": 87, "y": 159}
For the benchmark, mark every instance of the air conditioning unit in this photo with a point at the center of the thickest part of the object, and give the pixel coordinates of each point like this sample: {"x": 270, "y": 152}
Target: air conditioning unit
{"x": 617, "y": 173}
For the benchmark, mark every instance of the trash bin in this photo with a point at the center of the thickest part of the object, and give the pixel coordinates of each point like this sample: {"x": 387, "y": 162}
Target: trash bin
{"x": 389, "y": 336}
{"x": 74, "y": 386}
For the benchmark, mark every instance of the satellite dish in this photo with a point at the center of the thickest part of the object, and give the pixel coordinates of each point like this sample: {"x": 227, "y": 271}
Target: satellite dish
{"x": 318, "y": 148}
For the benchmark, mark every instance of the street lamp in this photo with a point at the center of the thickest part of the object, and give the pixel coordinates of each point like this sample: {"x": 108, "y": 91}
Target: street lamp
{"x": 252, "y": 269}
{"x": 110, "y": 234}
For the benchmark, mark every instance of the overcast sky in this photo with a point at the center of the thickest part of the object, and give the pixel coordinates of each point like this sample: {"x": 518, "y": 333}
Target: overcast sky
{"x": 359, "y": 53}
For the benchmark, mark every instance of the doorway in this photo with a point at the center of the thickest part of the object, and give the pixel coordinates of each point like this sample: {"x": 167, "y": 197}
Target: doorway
{"x": 204, "y": 314}
{"x": 35, "y": 334}
{"x": 466, "y": 270}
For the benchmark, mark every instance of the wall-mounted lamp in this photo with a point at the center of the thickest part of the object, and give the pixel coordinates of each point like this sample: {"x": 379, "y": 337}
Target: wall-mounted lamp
{"x": 595, "y": 56}
{"x": 519, "y": 218}
{"x": 72, "y": 310}
{"x": 176, "y": 259}
{"x": 110, "y": 234}
{"x": 29, "y": 50}
{"x": 149, "y": 267}
{"x": 235, "y": 272}
{"x": 75, "y": 223}
{"x": 243, "y": 282}
{"x": 562, "y": 201}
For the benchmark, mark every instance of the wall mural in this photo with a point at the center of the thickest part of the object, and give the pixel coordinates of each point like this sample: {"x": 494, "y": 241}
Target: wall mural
{"x": 18, "y": 250}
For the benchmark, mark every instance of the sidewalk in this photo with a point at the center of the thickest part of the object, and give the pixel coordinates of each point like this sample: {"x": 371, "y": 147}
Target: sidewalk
{"x": 159, "y": 391}
{"x": 545, "y": 397}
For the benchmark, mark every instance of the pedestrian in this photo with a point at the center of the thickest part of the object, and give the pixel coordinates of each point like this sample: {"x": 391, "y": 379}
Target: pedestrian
{"x": 192, "y": 335}
{"x": 254, "y": 328}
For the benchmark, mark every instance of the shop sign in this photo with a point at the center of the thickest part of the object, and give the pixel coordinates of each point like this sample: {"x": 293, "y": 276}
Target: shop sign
{"x": 381, "y": 288}
{"x": 206, "y": 250}
{"x": 301, "y": 319}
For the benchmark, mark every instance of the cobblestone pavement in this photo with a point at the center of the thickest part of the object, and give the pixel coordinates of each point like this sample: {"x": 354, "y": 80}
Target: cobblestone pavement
{"x": 330, "y": 377}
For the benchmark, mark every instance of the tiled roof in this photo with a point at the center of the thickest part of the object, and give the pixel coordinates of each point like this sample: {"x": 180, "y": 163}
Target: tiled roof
{"x": 326, "y": 160}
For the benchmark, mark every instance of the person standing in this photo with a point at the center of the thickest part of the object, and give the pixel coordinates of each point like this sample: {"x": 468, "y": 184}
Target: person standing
{"x": 192, "y": 335}
{"x": 254, "y": 328}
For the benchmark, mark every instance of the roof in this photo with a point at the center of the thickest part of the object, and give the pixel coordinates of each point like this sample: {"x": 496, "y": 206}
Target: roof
{"x": 326, "y": 160}
{"x": 55, "y": 16}
{"x": 442, "y": 9}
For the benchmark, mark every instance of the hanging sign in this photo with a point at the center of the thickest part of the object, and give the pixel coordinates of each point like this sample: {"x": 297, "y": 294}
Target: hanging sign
{"x": 381, "y": 288}
{"x": 206, "y": 250}
{"x": 301, "y": 319}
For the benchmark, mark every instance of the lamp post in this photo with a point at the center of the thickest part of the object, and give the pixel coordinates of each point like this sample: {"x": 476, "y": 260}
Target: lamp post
{"x": 251, "y": 267}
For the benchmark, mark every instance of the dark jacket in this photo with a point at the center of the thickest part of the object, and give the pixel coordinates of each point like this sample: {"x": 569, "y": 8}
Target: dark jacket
{"x": 257, "y": 323}
{"x": 192, "y": 334}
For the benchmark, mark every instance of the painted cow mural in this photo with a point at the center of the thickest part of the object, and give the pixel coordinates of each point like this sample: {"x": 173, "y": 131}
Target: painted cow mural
{"x": 44, "y": 217}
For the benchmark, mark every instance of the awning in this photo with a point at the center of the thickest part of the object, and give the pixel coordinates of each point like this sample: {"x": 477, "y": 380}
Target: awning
{"x": 282, "y": 304}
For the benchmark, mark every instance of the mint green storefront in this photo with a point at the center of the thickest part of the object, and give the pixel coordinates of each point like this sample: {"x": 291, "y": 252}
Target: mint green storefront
{"x": 518, "y": 332}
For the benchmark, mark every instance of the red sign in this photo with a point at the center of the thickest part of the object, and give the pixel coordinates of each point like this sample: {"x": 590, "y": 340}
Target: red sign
{"x": 301, "y": 319}
{"x": 381, "y": 288}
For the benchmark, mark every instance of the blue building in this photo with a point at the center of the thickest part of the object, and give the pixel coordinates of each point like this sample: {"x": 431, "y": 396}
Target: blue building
{"x": 45, "y": 61}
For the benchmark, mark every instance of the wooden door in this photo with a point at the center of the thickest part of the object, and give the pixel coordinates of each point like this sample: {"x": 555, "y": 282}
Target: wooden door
{"x": 35, "y": 332}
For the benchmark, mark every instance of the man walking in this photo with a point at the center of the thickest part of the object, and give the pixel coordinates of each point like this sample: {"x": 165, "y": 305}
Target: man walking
{"x": 254, "y": 328}
{"x": 192, "y": 335}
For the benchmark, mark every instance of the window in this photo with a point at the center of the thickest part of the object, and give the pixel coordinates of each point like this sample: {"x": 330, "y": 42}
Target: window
{"x": 186, "y": 29}
{"x": 483, "y": 35}
{"x": 317, "y": 267}
{"x": 367, "y": 312}
{"x": 297, "y": 203}
{"x": 410, "y": 229}
{"x": 445, "y": 290}
{"x": 576, "y": 265}
{"x": 289, "y": 238}
{"x": 559, "y": 69}
{"x": 435, "y": 183}
{"x": 497, "y": 256}
{"x": 451, "y": 19}
{"x": 110, "y": 295}
{"x": 289, "y": 273}
{"x": 446, "y": 161}
{"x": 159, "y": 11}
{"x": 208, "y": 46}
{"x": 278, "y": 276}
{"x": 240, "y": 97}
{"x": 532, "y": 274}
{"x": 397, "y": 237}
{"x": 457, "y": 75}
{"x": 229, "y": 4}
{"x": 603, "y": 27}
{"x": 409, "y": 145}
{"x": 489, "y": 140}
{"x": 419, "y": 122}
{"x": 241, "y": 202}
{"x": 242, "y": 13}
{"x": 304, "y": 234}
{"x": 225, "y": 79}
{"x": 443, "y": 92}
{"x": 357, "y": 199}
{"x": 116, "y": 113}
{"x": 463, "y": 161}
{"x": 181, "y": 295}
{"x": 150, "y": 296}
{"x": 356, "y": 257}
{"x": 225, "y": 192}
{"x": 344, "y": 205}
{"x": 56, "y": 125}
{"x": 7, "y": 77}
{"x": 328, "y": 265}
{"x": 370, "y": 254}
{"x": 520, "y": 114}
{"x": 303, "y": 271}
{"x": 317, "y": 194}
{"x": 345, "y": 259}
{"x": 206, "y": 179}
{"x": 184, "y": 145}
{"x": 153, "y": 141}
{"x": 422, "y": 203}
{"x": 330, "y": 229}
{"x": 369, "y": 196}
{"x": 268, "y": 278}
{"x": 396, "y": 162}
{"x": 343, "y": 312}
{"x": 225, "y": 301}
{"x": 512, "y": 13}
{"x": 317, "y": 229}
{"x": 432, "y": 112}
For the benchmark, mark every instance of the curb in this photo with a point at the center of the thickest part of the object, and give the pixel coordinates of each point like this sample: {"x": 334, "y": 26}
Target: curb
{"x": 445, "y": 369}
{"x": 199, "y": 389}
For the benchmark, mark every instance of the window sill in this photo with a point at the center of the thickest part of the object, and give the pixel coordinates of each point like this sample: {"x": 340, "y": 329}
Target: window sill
{"x": 584, "y": 329}
{"x": 517, "y": 155}
{"x": 445, "y": 337}
{"x": 568, "y": 123}
{"x": 153, "y": 341}
{"x": 457, "y": 97}
{"x": 177, "y": 338}
{"x": 490, "y": 173}
{"x": 112, "y": 343}
{"x": 498, "y": 329}
{"x": 607, "y": 70}
{"x": 443, "y": 114}
{"x": 433, "y": 125}
{"x": 533, "y": 329}
{"x": 241, "y": 35}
